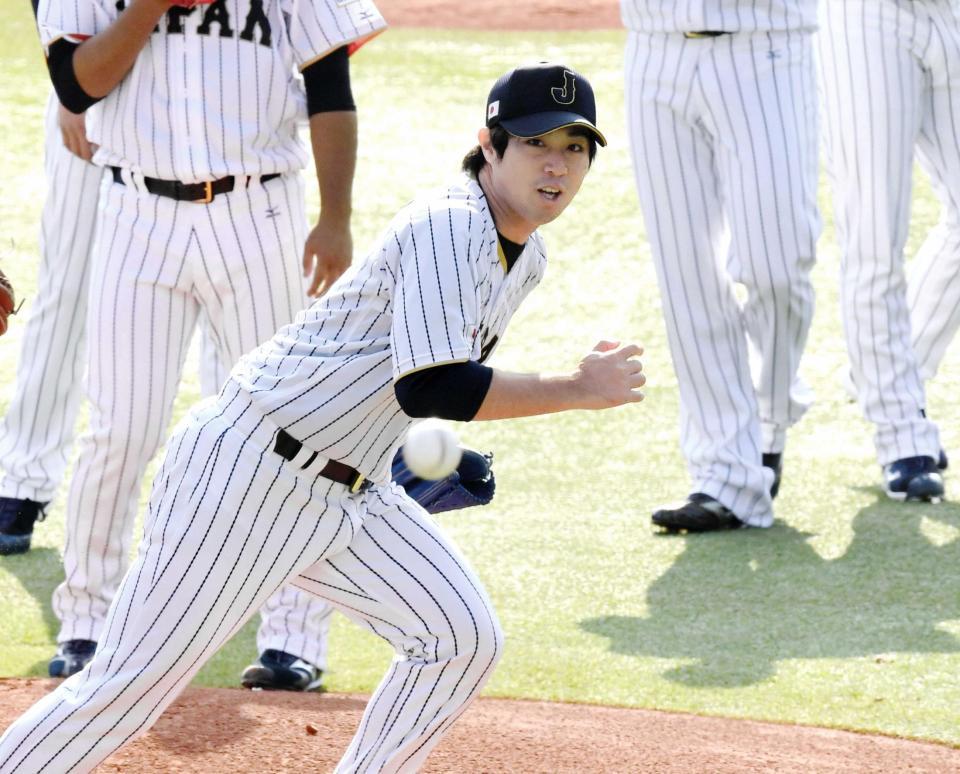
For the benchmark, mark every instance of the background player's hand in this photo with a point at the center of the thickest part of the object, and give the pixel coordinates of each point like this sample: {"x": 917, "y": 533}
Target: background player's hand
{"x": 611, "y": 375}
{"x": 327, "y": 254}
{"x": 73, "y": 127}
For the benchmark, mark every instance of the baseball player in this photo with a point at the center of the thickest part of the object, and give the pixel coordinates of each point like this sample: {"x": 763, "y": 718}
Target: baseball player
{"x": 889, "y": 71}
{"x": 721, "y": 108}
{"x": 196, "y": 123}
{"x": 286, "y": 474}
{"x": 37, "y": 430}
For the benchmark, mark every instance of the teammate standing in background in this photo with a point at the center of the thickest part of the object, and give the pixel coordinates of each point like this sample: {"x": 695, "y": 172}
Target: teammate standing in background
{"x": 890, "y": 74}
{"x": 198, "y": 129}
{"x": 37, "y": 430}
{"x": 286, "y": 475}
{"x": 721, "y": 106}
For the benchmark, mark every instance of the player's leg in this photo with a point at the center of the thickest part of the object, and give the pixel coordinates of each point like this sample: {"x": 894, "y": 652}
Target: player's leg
{"x": 253, "y": 285}
{"x": 37, "y": 430}
{"x": 762, "y": 109}
{"x": 681, "y": 198}
{"x": 140, "y": 323}
{"x": 229, "y": 520}
{"x": 933, "y": 290}
{"x": 874, "y": 95}
{"x": 211, "y": 370}
{"x": 405, "y": 581}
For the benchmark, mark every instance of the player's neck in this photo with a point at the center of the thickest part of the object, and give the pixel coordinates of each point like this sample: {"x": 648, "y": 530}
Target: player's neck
{"x": 508, "y": 222}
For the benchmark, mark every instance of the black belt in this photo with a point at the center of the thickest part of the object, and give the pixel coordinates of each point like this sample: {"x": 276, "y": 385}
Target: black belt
{"x": 705, "y": 34}
{"x": 189, "y": 192}
{"x": 288, "y": 447}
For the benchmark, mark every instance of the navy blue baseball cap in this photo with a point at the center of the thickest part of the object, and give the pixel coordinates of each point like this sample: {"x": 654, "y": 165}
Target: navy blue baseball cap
{"x": 538, "y": 98}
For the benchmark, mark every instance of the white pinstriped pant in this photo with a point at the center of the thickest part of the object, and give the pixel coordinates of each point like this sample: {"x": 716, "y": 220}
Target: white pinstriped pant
{"x": 229, "y": 521}
{"x": 37, "y": 430}
{"x": 724, "y": 141}
{"x": 162, "y": 263}
{"x": 890, "y": 77}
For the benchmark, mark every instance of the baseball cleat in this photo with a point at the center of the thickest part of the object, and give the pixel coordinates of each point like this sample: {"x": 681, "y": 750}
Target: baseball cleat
{"x": 17, "y": 518}
{"x": 71, "y": 657}
{"x": 279, "y": 671}
{"x": 774, "y": 461}
{"x": 913, "y": 478}
{"x": 700, "y": 513}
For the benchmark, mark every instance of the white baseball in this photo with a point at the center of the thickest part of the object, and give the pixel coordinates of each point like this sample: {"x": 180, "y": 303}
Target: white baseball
{"x": 432, "y": 451}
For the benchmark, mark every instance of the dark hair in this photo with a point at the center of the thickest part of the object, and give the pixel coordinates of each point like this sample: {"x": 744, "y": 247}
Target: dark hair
{"x": 474, "y": 161}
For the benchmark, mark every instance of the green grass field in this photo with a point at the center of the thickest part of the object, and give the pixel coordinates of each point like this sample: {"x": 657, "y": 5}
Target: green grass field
{"x": 846, "y": 613}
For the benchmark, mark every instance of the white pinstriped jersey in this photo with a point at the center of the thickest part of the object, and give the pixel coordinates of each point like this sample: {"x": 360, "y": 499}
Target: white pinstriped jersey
{"x": 434, "y": 290}
{"x": 720, "y": 15}
{"x": 214, "y": 92}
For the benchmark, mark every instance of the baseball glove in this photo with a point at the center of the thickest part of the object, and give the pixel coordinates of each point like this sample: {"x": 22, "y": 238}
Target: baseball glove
{"x": 472, "y": 483}
{"x": 8, "y": 302}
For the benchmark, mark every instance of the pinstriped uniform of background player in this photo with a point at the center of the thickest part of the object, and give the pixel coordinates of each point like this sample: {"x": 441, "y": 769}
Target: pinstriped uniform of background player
{"x": 721, "y": 105}
{"x": 890, "y": 75}
{"x": 287, "y": 474}
{"x": 37, "y": 431}
{"x": 163, "y": 259}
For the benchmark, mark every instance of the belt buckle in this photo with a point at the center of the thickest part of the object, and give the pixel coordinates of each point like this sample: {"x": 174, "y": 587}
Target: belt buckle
{"x": 698, "y": 34}
{"x": 357, "y": 485}
{"x": 207, "y": 193}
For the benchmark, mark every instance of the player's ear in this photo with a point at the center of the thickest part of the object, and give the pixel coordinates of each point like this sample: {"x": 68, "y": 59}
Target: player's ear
{"x": 486, "y": 145}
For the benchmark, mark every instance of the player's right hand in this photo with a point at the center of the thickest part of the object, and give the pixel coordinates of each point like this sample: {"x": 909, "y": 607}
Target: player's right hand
{"x": 73, "y": 127}
{"x": 611, "y": 375}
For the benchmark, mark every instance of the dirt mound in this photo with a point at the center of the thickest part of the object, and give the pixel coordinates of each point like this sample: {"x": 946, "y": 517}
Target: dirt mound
{"x": 218, "y": 729}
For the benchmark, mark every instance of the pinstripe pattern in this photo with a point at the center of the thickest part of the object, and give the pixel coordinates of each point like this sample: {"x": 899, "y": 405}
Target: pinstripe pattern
{"x": 214, "y": 92}
{"x": 890, "y": 73}
{"x": 723, "y": 136}
{"x": 37, "y": 430}
{"x": 161, "y": 263}
{"x": 245, "y": 124}
{"x": 229, "y": 520}
{"x": 722, "y": 15}
{"x": 432, "y": 292}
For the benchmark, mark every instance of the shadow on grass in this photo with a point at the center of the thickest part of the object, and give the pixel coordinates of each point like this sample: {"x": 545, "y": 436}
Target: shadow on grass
{"x": 736, "y": 603}
{"x": 38, "y": 572}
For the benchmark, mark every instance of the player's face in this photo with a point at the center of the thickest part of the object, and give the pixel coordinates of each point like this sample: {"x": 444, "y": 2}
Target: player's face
{"x": 538, "y": 177}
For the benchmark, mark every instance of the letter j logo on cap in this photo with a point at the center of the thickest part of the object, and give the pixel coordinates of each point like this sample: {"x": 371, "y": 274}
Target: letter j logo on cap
{"x": 493, "y": 109}
{"x": 566, "y": 95}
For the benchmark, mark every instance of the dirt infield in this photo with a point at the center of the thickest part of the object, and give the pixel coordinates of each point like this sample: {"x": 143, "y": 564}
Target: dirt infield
{"x": 221, "y": 730}
{"x": 503, "y": 14}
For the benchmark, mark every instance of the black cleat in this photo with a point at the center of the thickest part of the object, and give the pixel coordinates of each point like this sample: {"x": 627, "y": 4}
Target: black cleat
{"x": 700, "y": 513}
{"x": 913, "y": 478}
{"x": 279, "y": 671}
{"x": 71, "y": 657}
{"x": 17, "y": 518}
{"x": 774, "y": 461}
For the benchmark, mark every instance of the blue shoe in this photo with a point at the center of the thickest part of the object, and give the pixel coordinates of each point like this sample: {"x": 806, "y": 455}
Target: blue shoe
{"x": 71, "y": 657}
{"x": 913, "y": 478}
{"x": 279, "y": 671}
{"x": 17, "y": 518}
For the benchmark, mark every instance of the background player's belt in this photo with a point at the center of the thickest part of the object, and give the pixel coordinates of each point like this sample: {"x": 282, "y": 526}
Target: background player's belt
{"x": 705, "y": 34}
{"x": 188, "y": 192}
{"x": 288, "y": 447}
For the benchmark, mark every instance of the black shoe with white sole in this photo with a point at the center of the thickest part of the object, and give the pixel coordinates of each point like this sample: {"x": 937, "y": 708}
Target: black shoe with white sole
{"x": 913, "y": 478}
